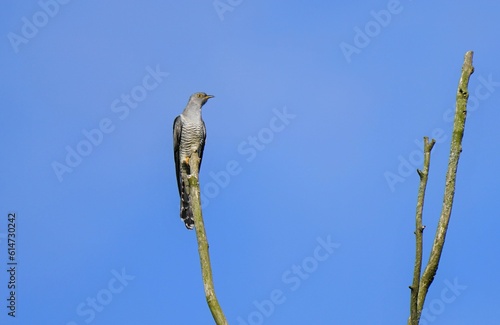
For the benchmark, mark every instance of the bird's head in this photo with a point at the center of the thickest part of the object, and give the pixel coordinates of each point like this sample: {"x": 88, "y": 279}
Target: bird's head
{"x": 200, "y": 98}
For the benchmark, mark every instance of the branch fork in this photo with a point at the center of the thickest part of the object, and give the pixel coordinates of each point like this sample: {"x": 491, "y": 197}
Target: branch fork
{"x": 422, "y": 282}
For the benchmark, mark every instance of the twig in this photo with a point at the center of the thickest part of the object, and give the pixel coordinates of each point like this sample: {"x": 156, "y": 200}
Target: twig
{"x": 206, "y": 269}
{"x": 419, "y": 229}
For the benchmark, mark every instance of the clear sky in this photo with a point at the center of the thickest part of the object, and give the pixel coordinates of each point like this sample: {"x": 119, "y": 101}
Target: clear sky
{"x": 308, "y": 178}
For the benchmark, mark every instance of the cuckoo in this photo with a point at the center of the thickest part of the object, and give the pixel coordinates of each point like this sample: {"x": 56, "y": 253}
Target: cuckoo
{"x": 189, "y": 137}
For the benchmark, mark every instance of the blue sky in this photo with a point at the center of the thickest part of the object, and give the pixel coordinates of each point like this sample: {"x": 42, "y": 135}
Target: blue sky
{"x": 315, "y": 105}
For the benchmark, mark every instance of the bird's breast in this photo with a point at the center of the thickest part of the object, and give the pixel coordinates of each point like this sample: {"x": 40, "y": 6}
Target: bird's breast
{"x": 192, "y": 135}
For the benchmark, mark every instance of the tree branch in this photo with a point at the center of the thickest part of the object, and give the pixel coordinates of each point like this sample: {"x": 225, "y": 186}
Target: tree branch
{"x": 206, "y": 269}
{"x": 419, "y": 229}
{"x": 420, "y": 290}
{"x": 451, "y": 175}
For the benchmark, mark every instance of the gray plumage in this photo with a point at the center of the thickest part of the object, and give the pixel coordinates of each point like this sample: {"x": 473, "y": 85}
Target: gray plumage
{"x": 189, "y": 137}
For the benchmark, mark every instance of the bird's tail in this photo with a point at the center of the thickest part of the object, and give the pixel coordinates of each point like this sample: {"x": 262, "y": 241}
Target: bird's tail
{"x": 186, "y": 212}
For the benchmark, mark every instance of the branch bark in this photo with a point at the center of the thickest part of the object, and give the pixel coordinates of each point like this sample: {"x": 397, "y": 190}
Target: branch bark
{"x": 206, "y": 269}
{"x": 420, "y": 291}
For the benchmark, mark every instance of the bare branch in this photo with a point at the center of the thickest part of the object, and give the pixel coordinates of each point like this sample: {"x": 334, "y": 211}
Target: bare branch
{"x": 449, "y": 192}
{"x": 420, "y": 285}
{"x": 206, "y": 269}
{"x": 419, "y": 229}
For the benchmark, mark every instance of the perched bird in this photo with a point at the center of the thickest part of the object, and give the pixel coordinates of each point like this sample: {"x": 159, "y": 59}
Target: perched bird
{"x": 189, "y": 137}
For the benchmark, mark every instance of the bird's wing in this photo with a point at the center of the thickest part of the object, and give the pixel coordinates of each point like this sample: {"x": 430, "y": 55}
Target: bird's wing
{"x": 177, "y": 142}
{"x": 202, "y": 142}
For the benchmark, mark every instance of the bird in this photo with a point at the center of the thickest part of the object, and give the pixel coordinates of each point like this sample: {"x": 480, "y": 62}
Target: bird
{"x": 189, "y": 137}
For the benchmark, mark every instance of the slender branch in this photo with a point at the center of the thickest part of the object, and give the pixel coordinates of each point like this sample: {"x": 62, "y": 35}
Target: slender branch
{"x": 206, "y": 269}
{"x": 419, "y": 229}
{"x": 449, "y": 192}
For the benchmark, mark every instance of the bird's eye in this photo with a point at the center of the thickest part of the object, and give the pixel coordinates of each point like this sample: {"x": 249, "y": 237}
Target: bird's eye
{"x": 199, "y": 95}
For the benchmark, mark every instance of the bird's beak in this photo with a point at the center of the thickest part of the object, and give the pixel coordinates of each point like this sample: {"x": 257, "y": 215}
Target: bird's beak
{"x": 208, "y": 97}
